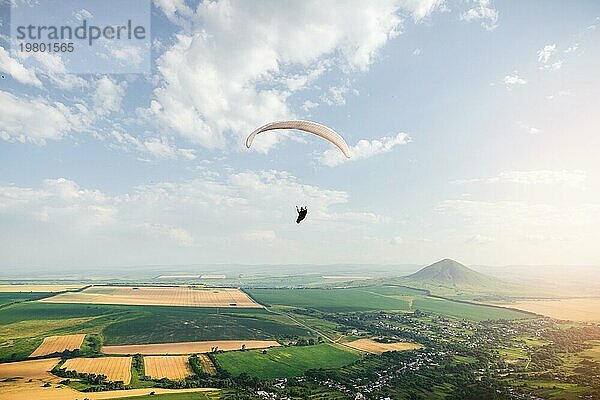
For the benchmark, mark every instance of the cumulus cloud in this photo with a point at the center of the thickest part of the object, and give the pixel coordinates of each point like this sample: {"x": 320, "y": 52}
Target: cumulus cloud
{"x": 546, "y": 52}
{"x": 216, "y": 79}
{"x": 532, "y": 130}
{"x": 336, "y": 95}
{"x": 309, "y": 105}
{"x": 483, "y": 11}
{"x": 52, "y": 67}
{"x": 161, "y": 148}
{"x": 15, "y": 69}
{"x": 58, "y": 201}
{"x": 364, "y": 149}
{"x": 179, "y": 235}
{"x": 514, "y": 79}
{"x": 34, "y": 120}
{"x": 157, "y": 147}
{"x": 108, "y": 95}
{"x": 203, "y": 218}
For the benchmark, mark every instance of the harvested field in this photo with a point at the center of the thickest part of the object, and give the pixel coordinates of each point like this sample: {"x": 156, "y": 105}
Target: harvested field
{"x": 188, "y": 347}
{"x": 171, "y": 367}
{"x": 115, "y": 368}
{"x": 207, "y": 364}
{"x": 38, "y": 288}
{"x": 371, "y": 346}
{"x": 213, "y": 276}
{"x": 582, "y": 309}
{"x": 32, "y": 369}
{"x": 188, "y": 296}
{"x": 33, "y": 391}
{"x": 58, "y": 344}
{"x": 178, "y": 276}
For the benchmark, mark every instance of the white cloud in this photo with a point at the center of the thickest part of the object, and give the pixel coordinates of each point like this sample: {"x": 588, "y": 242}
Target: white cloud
{"x": 108, "y": 95}
{"x": 158, "y": 147}
{"x": 179, "y": 235}
{"x": 532, "y": 130}
{"x": 82, "y": 14}
{"x": 514, "y": 79}
{"x": 572, "y": 49}
{"x": 15, "y": 69}
{"x": 34, "y": 120}
{"x": 485, "y": 12}
{"x": 52, "y": 67}
{"x": 560, "y": 93}
{"x": 309, "y": 105}
{"x": 534, "y": 177}
{"x": 241, "y": 210}
{"x": 58, "y": 201}
{"x": 161, "y": 148}
{"x": 546, "y": 52}
{"x": 363, "y": 149}
{"x": 417, "y": 51}
{"x": 217, "y": 78}
{"x": 336, "y": 95}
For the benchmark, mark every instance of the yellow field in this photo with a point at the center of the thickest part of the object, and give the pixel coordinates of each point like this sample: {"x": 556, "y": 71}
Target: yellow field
{"x": 38, "y": 288}
{"x": 32, "y": 369}
{"x": 188, "y": 347}
{"x": 584, "y": 309}
{"x": 158, "y": 296}
{"x": 33, "y": 391}
{"x": 171, "y": 367}
{"x": 58, "y": 344}
{"x": 32, "y": 375}
{"x": 371, "y": 346}
{"x": 115, "y": 368}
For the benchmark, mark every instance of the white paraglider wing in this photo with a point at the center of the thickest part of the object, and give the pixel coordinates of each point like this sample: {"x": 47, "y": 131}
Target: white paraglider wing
{"x": 306, "y": 126}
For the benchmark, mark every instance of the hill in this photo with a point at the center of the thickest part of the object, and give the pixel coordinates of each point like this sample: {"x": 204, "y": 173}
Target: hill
{"x": 451, "y": 277}
{"x": 451, "y": 273}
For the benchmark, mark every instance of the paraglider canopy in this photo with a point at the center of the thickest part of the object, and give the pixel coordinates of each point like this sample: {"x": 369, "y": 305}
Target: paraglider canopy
{"x": 306, "y": 126}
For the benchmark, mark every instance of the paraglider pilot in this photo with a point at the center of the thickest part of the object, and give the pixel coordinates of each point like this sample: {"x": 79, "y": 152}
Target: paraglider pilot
{"x": 301, "y": 214}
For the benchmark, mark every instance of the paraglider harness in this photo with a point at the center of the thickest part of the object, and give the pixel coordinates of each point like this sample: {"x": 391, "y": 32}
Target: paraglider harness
{"x": 301, "y": 214}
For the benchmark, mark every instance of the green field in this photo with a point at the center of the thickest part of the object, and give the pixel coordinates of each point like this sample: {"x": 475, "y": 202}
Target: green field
{"x": 376, "y": 298}
{"x": 331, "y": 300}
{"x": 285, "y": 361}
{"x": 183, "y": 324}
{"x": 15, "y": 297}
{"x": 24, "y": 325}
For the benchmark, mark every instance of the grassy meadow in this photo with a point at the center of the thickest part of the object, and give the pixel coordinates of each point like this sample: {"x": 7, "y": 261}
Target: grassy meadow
{"x": 24, "y": 325}
{"x": 285, "y": 361}
{"x": 377, "y": 298}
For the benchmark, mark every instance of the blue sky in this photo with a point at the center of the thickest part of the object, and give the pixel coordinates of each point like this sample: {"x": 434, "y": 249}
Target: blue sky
{"x": 473, "y": 125}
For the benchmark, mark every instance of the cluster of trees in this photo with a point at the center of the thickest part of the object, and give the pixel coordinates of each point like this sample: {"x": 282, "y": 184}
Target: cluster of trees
{"x": 137, "y": 361}
{"x": 308, "y": 342}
